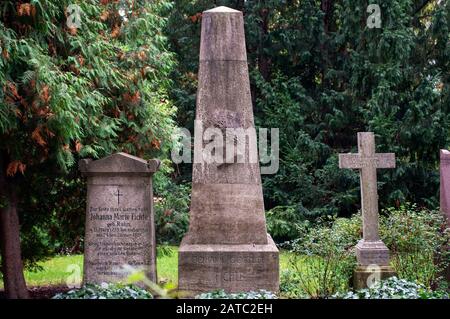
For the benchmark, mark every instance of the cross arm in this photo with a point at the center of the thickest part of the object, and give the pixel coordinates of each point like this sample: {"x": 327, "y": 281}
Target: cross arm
{"x": 385, "y": 160}
{"x": 381, "y": 160}
{"x": 350, "y": 161}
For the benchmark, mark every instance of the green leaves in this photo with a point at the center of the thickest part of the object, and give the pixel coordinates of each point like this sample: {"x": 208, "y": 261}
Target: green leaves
{"x": 106, "y": 291}
{"x": 394, "y": 288}
{"x": 85, "y": 74}
{"x": 62, "y": 95}
{"x": 221, "y": 294}
{"x": 325, "y": 86}
{"x": 324, "y": 256}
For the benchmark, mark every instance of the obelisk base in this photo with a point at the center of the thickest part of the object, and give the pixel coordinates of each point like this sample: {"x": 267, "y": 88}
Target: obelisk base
{"x": 233, "y": 268}
{"x": 365, "y": 276}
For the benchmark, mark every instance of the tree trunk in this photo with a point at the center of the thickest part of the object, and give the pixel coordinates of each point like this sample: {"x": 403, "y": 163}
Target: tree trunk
{"x": 263, "y": 60}
{"x": 327, "y": 8}
{"x": 12, "y": 265}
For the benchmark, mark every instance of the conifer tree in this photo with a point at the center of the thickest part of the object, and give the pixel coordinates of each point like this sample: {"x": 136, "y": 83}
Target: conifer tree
{"x": 322, "y": 71}
{"x": 78, "y": 79}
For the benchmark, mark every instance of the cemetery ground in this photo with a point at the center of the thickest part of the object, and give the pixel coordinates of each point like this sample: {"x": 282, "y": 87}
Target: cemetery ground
{"x": 318, "y": 264}
{"x": 51, "y": 275}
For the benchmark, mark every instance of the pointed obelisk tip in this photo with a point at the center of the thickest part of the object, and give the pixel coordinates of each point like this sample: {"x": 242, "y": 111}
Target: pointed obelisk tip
{"x": 223, "y": 36}
{"x": 221, "y": 9}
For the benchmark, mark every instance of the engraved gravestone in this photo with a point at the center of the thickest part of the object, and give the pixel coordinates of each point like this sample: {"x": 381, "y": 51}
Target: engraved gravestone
{"x": 371, "y": 253}
{"x": 227, "y": 245}
{"x": 119, "y": 217}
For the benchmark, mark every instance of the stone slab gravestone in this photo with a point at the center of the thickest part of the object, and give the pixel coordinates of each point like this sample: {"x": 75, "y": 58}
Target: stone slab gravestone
{"x": 119, "y": 217}
{"x": 371, "y": 253}
{"x": 445, "y": 184}
{"x": 444, "y": 191}
{"x": 227, "y": 245}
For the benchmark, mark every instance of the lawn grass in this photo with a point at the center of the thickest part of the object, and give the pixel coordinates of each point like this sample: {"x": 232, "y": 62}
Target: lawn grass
{"x": 167, "y": 268}
{"x": 61, "y": 270}
{"x": 56, "y": 271}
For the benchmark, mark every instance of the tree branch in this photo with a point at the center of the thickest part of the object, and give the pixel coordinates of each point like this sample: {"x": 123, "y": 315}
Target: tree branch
{"x": 422, "y": 5}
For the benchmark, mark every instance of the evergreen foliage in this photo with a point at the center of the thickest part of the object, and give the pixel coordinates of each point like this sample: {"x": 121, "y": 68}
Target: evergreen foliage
{"x": 74, "y": 88}
{"x": 321, "y": 75}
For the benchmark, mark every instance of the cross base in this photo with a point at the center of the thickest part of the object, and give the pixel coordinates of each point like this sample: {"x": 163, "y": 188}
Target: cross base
{"x": 372, "y": 253}
{"x": 366, "y": 276}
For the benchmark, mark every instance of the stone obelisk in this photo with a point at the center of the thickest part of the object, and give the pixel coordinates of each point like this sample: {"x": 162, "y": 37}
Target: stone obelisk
{"x": 227, "y": 246}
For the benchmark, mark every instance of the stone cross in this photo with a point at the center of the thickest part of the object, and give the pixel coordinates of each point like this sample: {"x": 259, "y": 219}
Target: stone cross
{"x": 367, "y": 161}
{"x": 371, "y": 253}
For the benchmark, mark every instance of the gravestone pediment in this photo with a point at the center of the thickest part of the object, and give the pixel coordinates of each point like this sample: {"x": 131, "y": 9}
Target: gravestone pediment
{"x": 119, "y": 163}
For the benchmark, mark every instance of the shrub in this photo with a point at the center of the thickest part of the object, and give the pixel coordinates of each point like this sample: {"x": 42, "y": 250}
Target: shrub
{"x": 290, "y": 284}
{"x": 171, "y": 207}
{"x": 418, "y": 240}
{"x": 323, "y": 258}
{"x": 106, "y": 291}
{"x": 394, "y": 288}
{"x": 417, "y": 266}
{"x": 221, "y": 294}
{"x": 282, "y": 222}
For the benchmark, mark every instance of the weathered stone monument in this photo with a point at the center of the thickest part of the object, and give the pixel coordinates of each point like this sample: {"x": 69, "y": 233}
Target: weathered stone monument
{"x": 227, "y": 246}
{"x": 119, "y": 217}
{"x": 371, "y": 253}
{"x": 444, "y": 191}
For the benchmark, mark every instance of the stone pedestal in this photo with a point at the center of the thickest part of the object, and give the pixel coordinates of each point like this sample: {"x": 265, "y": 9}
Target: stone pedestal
{"x": 119, "y": 218}
{"x": 372, "y": 253}
{"x": 373, "y": 263}
{"x": 227, "y": 245}
{"x": 234, "y": 268}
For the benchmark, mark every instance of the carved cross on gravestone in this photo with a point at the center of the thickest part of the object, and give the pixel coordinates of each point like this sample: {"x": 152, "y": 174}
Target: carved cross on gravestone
{"x": 118, "y": 194}
{"x": 370, "y": 250}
